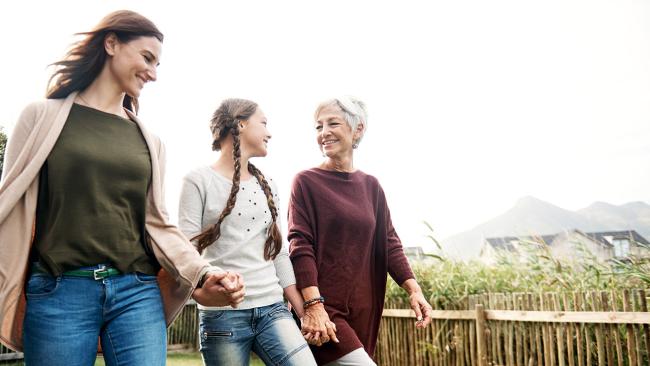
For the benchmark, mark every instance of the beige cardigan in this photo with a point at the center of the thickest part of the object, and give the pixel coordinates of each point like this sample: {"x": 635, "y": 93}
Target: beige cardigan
{"x": 30, "y": 144}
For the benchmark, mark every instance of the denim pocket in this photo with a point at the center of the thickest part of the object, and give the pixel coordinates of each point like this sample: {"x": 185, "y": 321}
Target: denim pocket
{"x": 145, "y": 278}
{"x": 211, "y": 314}
{"x": 280, "y": 310}
{"x": 216, "y": 333}
{"x": 212, "y": 327}
{"x": 40, "y": 285}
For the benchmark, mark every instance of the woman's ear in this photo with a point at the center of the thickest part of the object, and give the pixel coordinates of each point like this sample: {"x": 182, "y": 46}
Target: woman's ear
{"x": 361, "y": 129}
{"x": 110, "y": 43}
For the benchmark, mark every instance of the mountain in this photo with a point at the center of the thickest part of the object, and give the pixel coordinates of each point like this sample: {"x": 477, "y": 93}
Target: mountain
{"x": 531, "y": 216}
{"x": 632, "y": 215}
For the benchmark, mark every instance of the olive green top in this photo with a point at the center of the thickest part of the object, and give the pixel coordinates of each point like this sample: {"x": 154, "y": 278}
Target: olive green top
{"x": 92, "y": 196}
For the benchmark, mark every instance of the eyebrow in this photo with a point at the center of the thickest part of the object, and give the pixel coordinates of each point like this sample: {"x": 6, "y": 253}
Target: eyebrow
{"x": 327, "y": 120}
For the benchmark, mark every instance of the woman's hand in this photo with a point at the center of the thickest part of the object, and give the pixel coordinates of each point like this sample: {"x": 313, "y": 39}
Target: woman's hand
{"x": 220, "y": 289}
{"x": 421, "y": 308}
{"x": 317, "y": 327}
{"x": 418, "y": 303}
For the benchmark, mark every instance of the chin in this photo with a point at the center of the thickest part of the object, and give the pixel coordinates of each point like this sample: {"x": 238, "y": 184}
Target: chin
{"x": 134, "y": 93}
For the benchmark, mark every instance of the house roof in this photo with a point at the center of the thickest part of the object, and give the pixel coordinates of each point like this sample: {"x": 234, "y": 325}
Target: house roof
{"x": 602, "y": 237}
{"x": 606, "y": 237}
{"x": 507, "y": 242}
{"x": 504, "y": 243}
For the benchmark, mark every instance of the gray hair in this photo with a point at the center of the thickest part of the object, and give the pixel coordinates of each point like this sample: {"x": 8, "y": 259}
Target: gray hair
{"x": 354, "y": 112}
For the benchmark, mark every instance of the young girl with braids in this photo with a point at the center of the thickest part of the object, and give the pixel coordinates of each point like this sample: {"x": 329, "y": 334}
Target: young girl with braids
{"x": 230, "y": 211}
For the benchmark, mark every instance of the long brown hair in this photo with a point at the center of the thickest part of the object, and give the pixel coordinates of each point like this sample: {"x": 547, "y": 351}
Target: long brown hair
{"x": 225, "y": 121}
{"x": 85, "y": 59}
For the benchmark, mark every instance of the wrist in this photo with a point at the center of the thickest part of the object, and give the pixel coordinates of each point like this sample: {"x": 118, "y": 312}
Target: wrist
{"x": 313, "y": 301}
{"x": 411, "y": 287}
{"x": 314, "y": 308}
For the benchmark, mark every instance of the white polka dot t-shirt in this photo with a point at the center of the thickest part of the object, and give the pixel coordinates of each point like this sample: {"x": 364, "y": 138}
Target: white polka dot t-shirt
{"x": 243, "y": 233}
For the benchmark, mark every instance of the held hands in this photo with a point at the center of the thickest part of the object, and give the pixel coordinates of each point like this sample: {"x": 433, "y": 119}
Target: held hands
{"x": 220, "y": 289}
{"x": 317, "y": 327}
{"x": 421, "y": 308}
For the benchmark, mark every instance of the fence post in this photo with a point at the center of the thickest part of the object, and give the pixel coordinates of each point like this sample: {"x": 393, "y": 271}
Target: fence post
{"x": 481, "y": 344}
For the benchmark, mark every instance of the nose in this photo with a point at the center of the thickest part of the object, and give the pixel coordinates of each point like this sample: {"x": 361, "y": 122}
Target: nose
{"x": 325, "y": 130}
{"x": 152, "y": 73}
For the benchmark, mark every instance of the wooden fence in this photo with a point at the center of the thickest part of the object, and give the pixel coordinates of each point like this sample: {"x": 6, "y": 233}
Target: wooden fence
{"x": 566, "y": 329}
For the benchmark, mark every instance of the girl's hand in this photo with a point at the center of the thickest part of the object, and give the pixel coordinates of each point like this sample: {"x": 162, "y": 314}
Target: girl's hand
{"x": 220, "y": 289}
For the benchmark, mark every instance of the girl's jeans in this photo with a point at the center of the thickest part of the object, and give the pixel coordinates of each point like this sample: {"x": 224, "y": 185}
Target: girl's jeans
{"x": 228, "y": 336}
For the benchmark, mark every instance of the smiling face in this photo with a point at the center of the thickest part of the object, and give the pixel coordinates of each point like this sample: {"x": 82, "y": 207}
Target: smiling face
{"x": 333, "y": 134}
{"x": 254, "y": 136}
{"x": 133, "y": 63}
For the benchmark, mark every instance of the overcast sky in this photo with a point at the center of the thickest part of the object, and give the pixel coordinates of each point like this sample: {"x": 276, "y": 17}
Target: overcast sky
{"x": 472, "y": 104}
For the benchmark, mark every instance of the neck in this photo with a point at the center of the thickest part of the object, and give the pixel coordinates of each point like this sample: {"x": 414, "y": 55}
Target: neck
{"x": 339, "y": 164}
{"x": 103, "y": 94}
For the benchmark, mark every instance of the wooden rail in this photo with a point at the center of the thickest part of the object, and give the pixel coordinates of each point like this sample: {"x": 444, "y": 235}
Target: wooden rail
{"x": 586, "y": 317}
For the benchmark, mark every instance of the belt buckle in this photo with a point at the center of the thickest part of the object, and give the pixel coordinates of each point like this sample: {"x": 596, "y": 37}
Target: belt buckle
{"x": 100, "y": 273}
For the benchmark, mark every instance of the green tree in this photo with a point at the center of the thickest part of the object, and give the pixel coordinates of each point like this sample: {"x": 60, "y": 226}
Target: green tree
{"x": 3, "y": 144}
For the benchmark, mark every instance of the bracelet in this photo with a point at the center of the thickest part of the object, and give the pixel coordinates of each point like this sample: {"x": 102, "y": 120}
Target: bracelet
{"x": 311, "y": 302}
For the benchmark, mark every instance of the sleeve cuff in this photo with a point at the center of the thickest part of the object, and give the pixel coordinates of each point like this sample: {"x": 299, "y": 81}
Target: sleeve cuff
{"x": 205, "y": 270}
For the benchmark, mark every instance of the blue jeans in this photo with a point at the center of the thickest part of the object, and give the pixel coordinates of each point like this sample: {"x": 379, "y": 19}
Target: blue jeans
{"x": 229, "y": 336}
{"x": 66, "y": 315}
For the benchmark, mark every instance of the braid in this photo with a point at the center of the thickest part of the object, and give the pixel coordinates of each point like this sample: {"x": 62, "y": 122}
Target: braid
{"x": 211, "y": 235}
{"x": 274, "y": 239}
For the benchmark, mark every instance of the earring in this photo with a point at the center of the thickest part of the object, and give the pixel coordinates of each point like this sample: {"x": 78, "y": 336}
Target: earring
{"x": 354, "y": 146}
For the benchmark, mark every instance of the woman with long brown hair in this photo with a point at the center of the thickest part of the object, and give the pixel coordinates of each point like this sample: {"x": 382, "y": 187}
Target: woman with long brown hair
{"x": 83, "y": 226}
{"x": 230, "y": 209}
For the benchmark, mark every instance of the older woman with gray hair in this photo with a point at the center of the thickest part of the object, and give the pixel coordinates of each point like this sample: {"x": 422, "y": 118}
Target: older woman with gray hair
{"x": 343, "y": 244}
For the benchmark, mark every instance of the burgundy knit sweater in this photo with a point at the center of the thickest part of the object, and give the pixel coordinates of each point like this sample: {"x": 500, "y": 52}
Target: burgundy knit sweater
{"x": 342, "y": 240}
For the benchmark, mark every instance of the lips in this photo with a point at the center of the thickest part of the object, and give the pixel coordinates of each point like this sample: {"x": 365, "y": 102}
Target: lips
{"x": 141, "y": 81}
{"x": 328, "y": 142}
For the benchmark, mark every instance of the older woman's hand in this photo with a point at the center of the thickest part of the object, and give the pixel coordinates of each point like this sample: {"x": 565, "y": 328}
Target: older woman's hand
{"x": 317, "y": 327}
{"x": 421, "y": 308}
{"x": 418, "y": 303}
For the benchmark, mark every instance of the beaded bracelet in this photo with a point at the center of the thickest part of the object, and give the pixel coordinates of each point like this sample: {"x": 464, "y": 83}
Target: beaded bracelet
{"x": 311, "y": 302}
